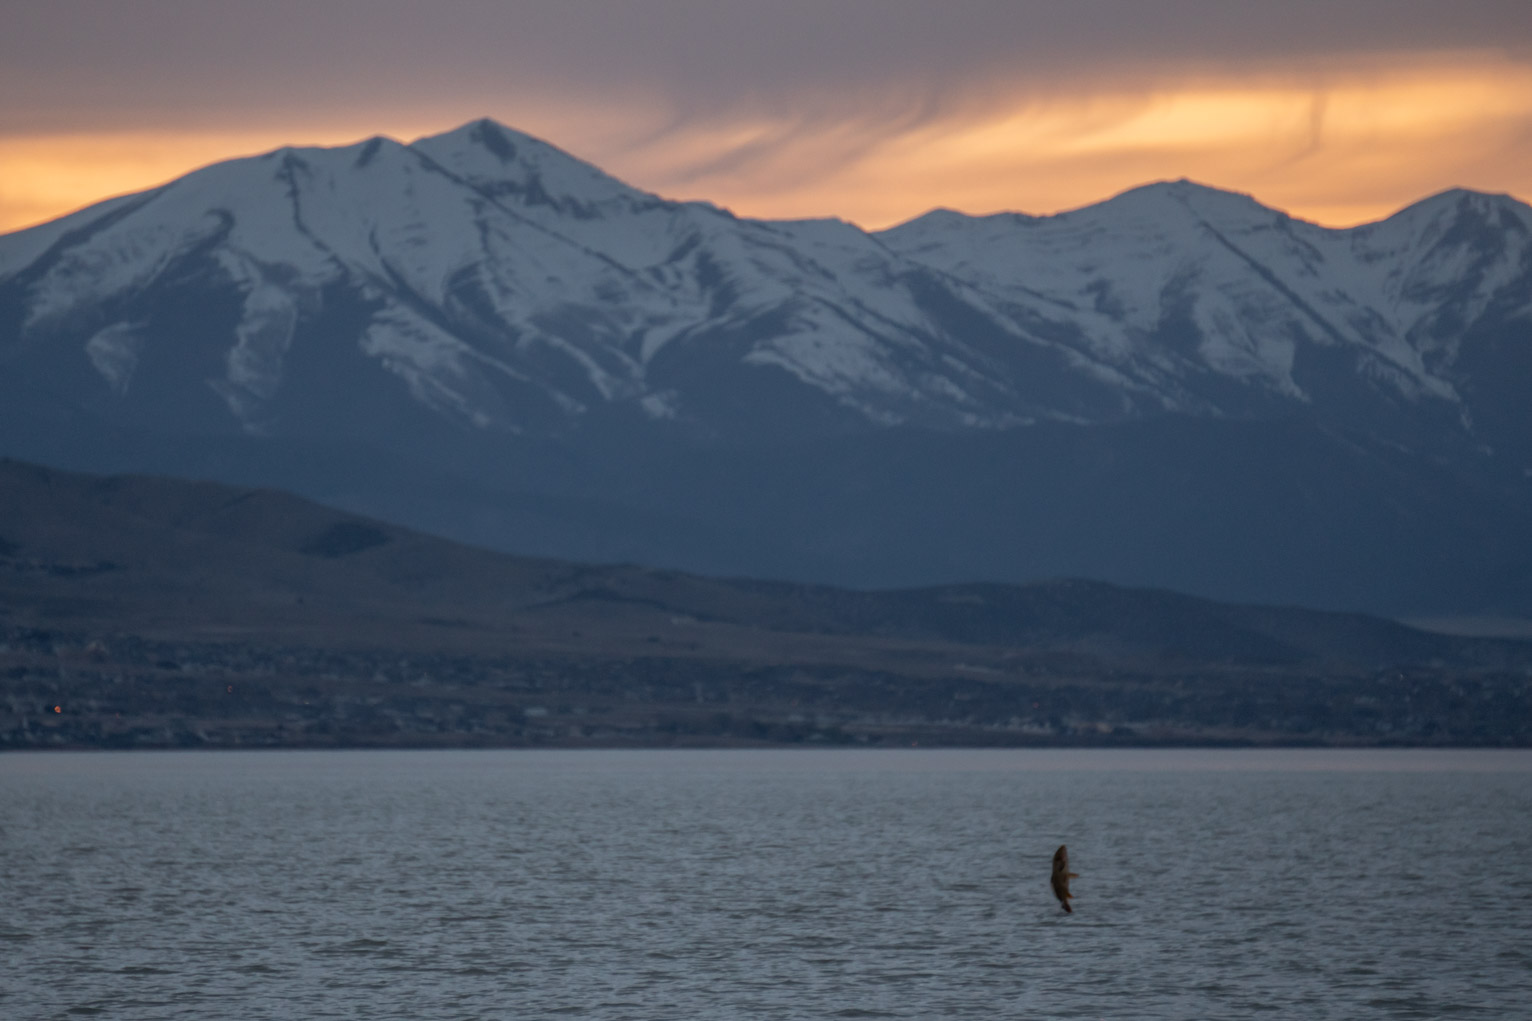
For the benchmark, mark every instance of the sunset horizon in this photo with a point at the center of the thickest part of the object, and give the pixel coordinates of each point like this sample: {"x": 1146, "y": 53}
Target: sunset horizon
{"x": 714, "y": 508}
{"x": 871, "y": 113}
{"x": 45, "y": 178}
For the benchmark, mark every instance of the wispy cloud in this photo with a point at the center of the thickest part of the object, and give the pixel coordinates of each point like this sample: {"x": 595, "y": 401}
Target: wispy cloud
{"x": 1339, "y": 147}
{"x": 872, "y": 110}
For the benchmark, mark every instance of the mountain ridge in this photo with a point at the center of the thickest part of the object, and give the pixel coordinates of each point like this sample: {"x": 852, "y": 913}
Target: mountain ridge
{"x": 541, "y": 189}
{"x": 483, "y": 300}
{"x": 111, "y": 539}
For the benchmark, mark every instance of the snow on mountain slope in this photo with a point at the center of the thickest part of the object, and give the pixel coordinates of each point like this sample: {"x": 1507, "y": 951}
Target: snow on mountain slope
{"x": 463, "y": 288}
{"x": 503, "y": 284}
{"x": 814, "y": 298}
{"x": 1175, "y": 278}
{"x": 1439, "y": 265}
{"x": 491, "y": 265}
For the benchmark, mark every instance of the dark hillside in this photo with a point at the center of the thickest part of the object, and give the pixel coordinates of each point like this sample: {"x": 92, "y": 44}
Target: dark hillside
{"x": 142, "y": 604}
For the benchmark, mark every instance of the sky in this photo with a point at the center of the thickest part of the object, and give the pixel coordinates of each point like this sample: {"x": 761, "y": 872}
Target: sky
{"x": 875, "y": 111}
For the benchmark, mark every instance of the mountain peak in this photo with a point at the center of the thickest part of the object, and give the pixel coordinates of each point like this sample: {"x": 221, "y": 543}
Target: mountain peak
{"x": 490, "y": 135}
{"x": 1495, "y": 206}
{"x": 507, "y": 163}
{"x": 1202, "y": 200}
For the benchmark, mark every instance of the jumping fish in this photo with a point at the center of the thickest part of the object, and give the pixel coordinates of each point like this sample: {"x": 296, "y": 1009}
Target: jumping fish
{"x": 1062, "y": 876}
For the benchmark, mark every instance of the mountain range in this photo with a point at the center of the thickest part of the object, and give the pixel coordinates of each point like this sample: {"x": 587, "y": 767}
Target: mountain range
{"x": 481, "y": 336}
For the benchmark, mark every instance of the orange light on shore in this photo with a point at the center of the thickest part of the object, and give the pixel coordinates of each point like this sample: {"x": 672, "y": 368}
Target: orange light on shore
{"x": 58, "y": 709}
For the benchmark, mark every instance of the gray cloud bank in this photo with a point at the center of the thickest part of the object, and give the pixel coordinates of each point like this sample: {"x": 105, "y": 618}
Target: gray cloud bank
{"x": 89, "y": 64}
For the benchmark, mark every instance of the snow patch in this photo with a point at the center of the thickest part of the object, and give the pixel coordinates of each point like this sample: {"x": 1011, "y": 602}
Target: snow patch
{"x": 114, "y": 351}
{"x": 660, "y": 405}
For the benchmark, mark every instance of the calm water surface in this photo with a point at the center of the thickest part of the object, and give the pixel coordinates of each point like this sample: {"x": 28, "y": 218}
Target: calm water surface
{"x": 799, "y": 884}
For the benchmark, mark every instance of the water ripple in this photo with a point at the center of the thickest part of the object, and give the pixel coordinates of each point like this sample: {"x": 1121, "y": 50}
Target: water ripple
{"x": 759, "y": 885}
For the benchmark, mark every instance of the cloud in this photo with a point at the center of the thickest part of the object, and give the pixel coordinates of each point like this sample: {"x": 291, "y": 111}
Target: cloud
{"x": 873, "y": 110}
{"x": 91, "y": 64}
{"x": 1341, "y": 147}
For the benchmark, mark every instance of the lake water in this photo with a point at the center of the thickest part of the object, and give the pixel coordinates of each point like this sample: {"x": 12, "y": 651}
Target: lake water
{"x": 770, "y": 884}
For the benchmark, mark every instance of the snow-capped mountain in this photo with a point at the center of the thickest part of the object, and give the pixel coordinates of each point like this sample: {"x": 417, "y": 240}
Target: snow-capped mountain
{"x": 508, "y": 285}
{"x": 1184, "y": 291}
{"x": 483, "y": 290}
{"x": 503, "y": 283}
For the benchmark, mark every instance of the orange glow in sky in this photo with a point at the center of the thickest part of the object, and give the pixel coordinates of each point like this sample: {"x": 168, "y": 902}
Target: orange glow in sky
{"x": 1339, "y": 151}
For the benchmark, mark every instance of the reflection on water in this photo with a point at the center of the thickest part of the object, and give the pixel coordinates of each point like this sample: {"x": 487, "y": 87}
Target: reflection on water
{"x": 799, "y": 884}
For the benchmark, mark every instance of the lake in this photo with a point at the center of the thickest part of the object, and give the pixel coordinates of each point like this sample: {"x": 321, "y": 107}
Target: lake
{"x": 765, "y": 884}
